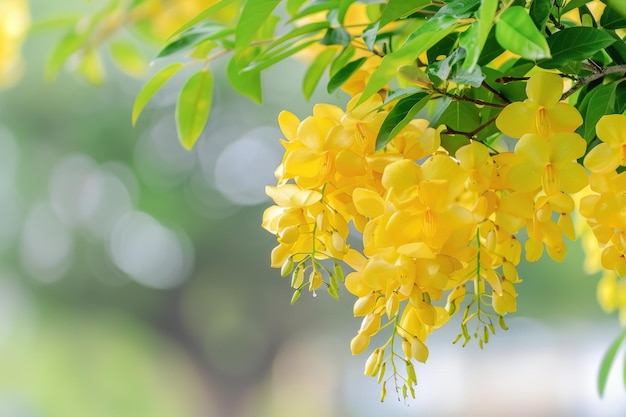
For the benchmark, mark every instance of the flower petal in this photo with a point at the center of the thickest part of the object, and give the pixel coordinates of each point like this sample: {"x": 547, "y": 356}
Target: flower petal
{"x": 611, "y": 129}
{"x": 602, "y": 159}
{"x": 544, "y": 88}
{"x": 564, "y": 117}
{"x": 517, "y": 119}
{"x": 566, "y": 146}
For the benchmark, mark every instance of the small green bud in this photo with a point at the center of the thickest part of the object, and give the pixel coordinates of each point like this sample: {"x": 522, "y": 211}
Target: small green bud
{"x": 287, "y": 267}
{"x": 296, "y": 295}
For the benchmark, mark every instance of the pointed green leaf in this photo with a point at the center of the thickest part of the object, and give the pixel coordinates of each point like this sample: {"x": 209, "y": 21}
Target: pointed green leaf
{"x": 421, "y": 40}
{"x": 293, "y": 6}
{"x": 315, "y": 71}
{"x": 297, "y": 32}
{"x": 336, "y": 36}
{"x": 576, "y": 44}
{"x": 461, "y": 116}
{"x": 341, "y": 60}
{"x": 205, "y": 14}
{"x": 316, "y": 6}
{"x": 343, "y": 74}
{"x": 193, "y": 107}
{"x": 396, "y": 9}
{"x": 607, "y": 362}
{"x": 277, "y": 56}
{"x": 540, "y": 12}
{"x": 601, "y": 102}
{"x": 70, "y": 44}
{"x": 477, "y": 34}
{"x": 343, "y": 9}
{"x": 195, "y": 36}
{"x": 400, "y": 116}
{"x": 152, "y": 86}
{"x": 128, "y": 58}
{"x": 253, "y": 15}
{"x": 516, "y": 32}
{"x": 247, "y": 83}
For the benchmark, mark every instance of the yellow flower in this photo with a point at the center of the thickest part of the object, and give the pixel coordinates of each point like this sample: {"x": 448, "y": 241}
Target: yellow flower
{"x": 611, "y": 153}
{"x": 541, "y": 113}
{"x": 14, "y": 22}
{"x": 549, "y": 163}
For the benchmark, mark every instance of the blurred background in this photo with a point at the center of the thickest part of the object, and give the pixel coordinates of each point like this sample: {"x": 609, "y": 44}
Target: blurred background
{"x": 135, "y": 279}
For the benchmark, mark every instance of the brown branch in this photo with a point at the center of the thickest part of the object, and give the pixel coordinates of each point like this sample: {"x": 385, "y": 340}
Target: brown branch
{"x": 582, "y": 81}
{"x": 496, "y": 93}
{"x": 473, "y": 133}
{"x": 476, "y": 101}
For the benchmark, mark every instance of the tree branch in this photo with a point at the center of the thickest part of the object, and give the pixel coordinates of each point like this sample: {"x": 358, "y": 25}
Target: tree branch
{"x": 582, "y": 81}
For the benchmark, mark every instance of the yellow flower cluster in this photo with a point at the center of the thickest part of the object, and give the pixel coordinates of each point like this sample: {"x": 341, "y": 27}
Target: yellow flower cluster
{"x": 438, "y": 231}
{"x": 605, "y": 208}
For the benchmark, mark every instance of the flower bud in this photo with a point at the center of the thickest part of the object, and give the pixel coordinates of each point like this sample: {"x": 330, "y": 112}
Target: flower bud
{"x": 419, "y": 350}
{"x": 315, "y": 280}
{"x": 359, "y": 343}
{"x": 364, "y": 305}
{"x": 372, "y": 365}
{"x": 370, "y": 324}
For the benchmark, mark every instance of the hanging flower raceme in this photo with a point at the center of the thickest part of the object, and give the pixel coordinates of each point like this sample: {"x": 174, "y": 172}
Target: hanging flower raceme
{"x": 438, "y": 231}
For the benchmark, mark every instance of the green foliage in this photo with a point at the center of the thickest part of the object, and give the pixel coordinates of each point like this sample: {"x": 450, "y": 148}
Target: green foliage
{"x": 193, "y": 106}
{"x": 400, "y": 116}
{"x": 607, "y": 363}
{"x": 461, "y": 61}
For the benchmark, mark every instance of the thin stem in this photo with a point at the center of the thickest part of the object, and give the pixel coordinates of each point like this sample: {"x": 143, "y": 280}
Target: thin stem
{"x": 582, "y": 81}
{"x": 496, "y": 93}
{"x": 476, "y": 101}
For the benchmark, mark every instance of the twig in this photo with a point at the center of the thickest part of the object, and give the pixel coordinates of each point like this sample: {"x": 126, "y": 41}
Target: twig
{"x": 496, "y": 92}
{"x": 582, "y": 81}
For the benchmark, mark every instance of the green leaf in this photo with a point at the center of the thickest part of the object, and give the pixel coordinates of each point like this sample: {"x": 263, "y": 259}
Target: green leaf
{"x": 601, "y": 102}
{"x": 205, "y": 14}
{"x": 193, "y": 107}
{"x": 316, "y": 6}
{"x": 299, "y": 31}
{"x": 315, "y": 71}
{"x": 612, "y": 19}
{"x": 618, "y": 5}
{"x": 400, "y": 116}
{"x": 246, "y": 83}
{"x": 336, "y": 36}
{"x": 574, "y": 4}
{"x": 575, "y": 44}
{"x": 341, "y": 60}
{"x": 473, "y": 39}
{"x": 69, "y": 45}
{"x": 396, "y": 9}
{"x": 128, "y": 58}
{"x": 516, "y": 32}
{"x": 620, "y": 97}
{"x": 277, "y": 56}
{"x": 195, "y": 36}
{"x": 293, "y": 6}
{"x": 540, "y": 12}
{"x": 491, "y": 49}
{"x": 253, "y": 15}
{"x": 152, "y": 86}
{"x": 461, "y": 116}
{"x": 408, "y": 52}
{"x": 607, "y": 362}
{"x": 343, "y": 74}
{"x": 343, "y": 9}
